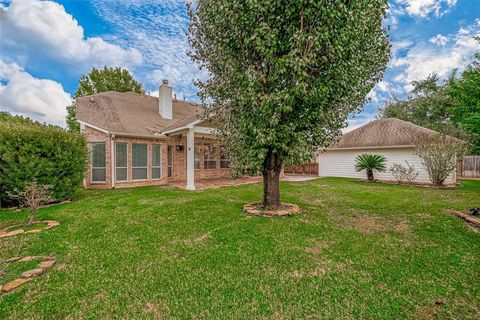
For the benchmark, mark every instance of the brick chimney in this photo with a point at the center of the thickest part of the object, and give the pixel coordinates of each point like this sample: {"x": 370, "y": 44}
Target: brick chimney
{"x": 165, "y": 100}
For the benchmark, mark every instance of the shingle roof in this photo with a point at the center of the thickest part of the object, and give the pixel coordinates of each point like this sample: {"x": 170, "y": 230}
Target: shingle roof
{"x": 133, "y": 113}
{"x": 382, "y": 133}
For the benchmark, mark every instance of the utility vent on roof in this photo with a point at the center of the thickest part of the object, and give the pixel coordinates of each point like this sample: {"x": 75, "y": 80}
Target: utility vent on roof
{"x": 165, "y": 100}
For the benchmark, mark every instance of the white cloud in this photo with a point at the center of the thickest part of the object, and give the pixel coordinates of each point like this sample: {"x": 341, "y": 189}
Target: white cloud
{"x": 28, "y": 25}
{"x": 424, "y": 8}
{"x": 41, "y": 99}
{"x": 422, "y": 59}
{"x": 439, "y": 40}
{"x": 156, "y": 28}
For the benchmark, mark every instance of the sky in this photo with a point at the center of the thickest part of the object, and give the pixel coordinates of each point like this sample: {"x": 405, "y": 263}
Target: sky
{"x": 46, "y": 46}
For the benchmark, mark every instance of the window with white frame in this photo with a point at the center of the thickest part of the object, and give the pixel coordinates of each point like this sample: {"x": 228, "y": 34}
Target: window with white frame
{"x": 224, "y": 160}
{"x": 121, "y": 160}
{"x": 196, "y": 157}
{"x": 139, "y": 161}
{"x": 210, "y": 156}
{"x": 156, "y": 161}
{"x": 98, "y": 162}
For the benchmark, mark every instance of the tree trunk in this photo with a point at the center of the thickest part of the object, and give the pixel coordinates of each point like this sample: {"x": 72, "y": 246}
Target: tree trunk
{"x": 271, "y": 181}
{"x": 370, "y": 174}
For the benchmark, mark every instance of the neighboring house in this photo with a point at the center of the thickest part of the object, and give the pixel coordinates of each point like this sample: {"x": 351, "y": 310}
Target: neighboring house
{"x": 138, "y": 140}
{"x": 392, "y": 138}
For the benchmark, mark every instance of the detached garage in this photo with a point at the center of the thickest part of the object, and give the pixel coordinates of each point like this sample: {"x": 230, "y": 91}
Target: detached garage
{"x": 392, "y": 138}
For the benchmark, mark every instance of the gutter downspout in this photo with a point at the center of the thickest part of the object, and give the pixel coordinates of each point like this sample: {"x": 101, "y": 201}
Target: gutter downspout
{"x": 112, "y": 159}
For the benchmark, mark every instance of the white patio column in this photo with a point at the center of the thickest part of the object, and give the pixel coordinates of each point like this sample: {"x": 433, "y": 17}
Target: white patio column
{"x": 190, "y": 159}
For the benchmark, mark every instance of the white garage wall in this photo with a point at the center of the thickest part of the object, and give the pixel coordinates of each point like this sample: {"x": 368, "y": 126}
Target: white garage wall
{"x": 341, "y": 163}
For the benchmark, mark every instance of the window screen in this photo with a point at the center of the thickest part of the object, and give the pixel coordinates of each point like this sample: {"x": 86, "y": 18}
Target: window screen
{"x": 210, "y": 153}
{"x": 139, "y": 161}
{"x": 156, "y": 161}
{"x": 121, "y": 161}
{"x": 99, "y": 170}
{"x": 196, "y": 157}
{"x": 224, "y": 160}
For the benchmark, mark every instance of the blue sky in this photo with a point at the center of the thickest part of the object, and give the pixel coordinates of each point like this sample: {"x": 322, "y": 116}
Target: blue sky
{"x": 46, "y": 46}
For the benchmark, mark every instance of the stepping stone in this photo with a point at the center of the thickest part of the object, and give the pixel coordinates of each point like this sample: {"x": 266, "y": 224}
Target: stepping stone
{"x": 28, "y": 258}
{"x": 14, "y": 233}
{"x": 47, "y": 264}
{"x": 34, "y": 231}
{"x": 14, "y": 284}
{"x": 13, "y": 259}
{"x": 32, "y": 273}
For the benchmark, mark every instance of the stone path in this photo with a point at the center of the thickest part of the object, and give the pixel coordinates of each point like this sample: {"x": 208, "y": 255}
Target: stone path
{"x": 45, "y": 264}
{"x": 50, "y": 224}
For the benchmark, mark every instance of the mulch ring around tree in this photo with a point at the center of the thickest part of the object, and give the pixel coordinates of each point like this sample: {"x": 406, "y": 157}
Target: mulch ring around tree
{"x": 285, "y": 210}
{"x": 45, "y": 264}
{"x": 25, "y": 229}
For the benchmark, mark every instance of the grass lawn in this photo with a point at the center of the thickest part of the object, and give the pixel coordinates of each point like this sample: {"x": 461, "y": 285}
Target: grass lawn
{"x": 362, "y": 250}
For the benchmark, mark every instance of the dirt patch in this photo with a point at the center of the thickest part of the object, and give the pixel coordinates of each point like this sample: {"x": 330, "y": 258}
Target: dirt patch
{"x": 285, "y": 210}
{"x": 368, "y": 224}
{"x": 318, "y": 248}
{"x": 402, "y": 227}
{"x": 433, "y": 311}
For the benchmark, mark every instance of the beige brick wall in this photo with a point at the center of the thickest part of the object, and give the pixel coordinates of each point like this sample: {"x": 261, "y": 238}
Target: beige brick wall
{"x": 179, "y": 159}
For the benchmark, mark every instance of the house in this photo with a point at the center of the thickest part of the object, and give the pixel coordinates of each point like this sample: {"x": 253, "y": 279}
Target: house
{"x": 392, "y": 138}
{"x": 137, "y": 140}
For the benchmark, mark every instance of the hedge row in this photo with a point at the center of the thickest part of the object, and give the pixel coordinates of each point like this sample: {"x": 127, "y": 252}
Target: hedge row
{"x": 31, "y": 150}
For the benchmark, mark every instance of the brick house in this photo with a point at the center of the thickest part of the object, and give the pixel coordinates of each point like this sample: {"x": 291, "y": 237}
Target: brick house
{"x": 138, "y": 140}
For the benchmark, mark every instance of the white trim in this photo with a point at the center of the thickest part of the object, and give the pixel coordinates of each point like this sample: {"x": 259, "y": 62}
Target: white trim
{"x": 92, "y": 126}
{"x": 190, "y": 160}
{"x": 204, "y": 130}
{"x": 183, "y": 128}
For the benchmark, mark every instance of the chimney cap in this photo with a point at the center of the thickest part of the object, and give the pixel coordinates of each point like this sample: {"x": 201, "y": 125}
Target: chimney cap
{"x": 165, "y": 81}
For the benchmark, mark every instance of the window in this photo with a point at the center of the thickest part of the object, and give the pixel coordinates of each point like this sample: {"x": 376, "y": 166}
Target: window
{"x": 224, "y": 160}
{"x": 120, "y": 161}
{"x": 99, "y": 170}
{"x": 156, "y": 161}
{"x": 139, "y": 161}
{"x": 210, "y": 153}
{"x": 196, "y": 157}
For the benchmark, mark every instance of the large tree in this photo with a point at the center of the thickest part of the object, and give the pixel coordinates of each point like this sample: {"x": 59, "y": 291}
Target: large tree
{"x": 465, "y": 92}
{"x": 102, "y": 80}
{"x": 428, "y": 105}
{"x": 285, "y": 75}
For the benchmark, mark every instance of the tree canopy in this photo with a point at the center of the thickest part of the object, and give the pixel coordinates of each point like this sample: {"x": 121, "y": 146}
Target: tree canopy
{"x": 285, "y": 75}
{"x": 102, "y": 80}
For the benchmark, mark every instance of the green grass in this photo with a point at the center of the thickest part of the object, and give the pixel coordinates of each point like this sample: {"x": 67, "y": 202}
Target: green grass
{"x": 361, "y": 250}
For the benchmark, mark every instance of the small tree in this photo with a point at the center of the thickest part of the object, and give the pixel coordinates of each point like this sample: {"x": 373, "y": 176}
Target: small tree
{"x": 410, "y": 173}
{"x": 439, "y": 154}
{"x": 34, "y": 196}
{"x": 370, "y": 163}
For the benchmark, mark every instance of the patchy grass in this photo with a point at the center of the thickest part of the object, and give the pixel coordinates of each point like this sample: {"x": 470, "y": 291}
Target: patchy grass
{"x": 361, "y": 250}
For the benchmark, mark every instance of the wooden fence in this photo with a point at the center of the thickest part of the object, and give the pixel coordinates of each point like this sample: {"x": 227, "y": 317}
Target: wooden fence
{"x": 310, "y": 169}
{"x": 469, "y": 167}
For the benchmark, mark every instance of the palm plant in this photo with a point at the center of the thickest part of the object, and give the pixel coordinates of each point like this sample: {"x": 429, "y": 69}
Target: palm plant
{"x": 369, "y": 163}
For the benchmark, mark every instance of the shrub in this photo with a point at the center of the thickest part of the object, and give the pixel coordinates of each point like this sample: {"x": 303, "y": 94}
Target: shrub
{"x": 401, "y": 172}
{"x": 370, "y": 163}
{"x": 439, "y": 156}
{"x": 31, "y": 151}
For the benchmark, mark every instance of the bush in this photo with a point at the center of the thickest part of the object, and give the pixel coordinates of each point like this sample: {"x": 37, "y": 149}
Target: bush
{"x": 439, "y": 156}
{"x": 31, "y": 151}
{"x": 401, "y": 172}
